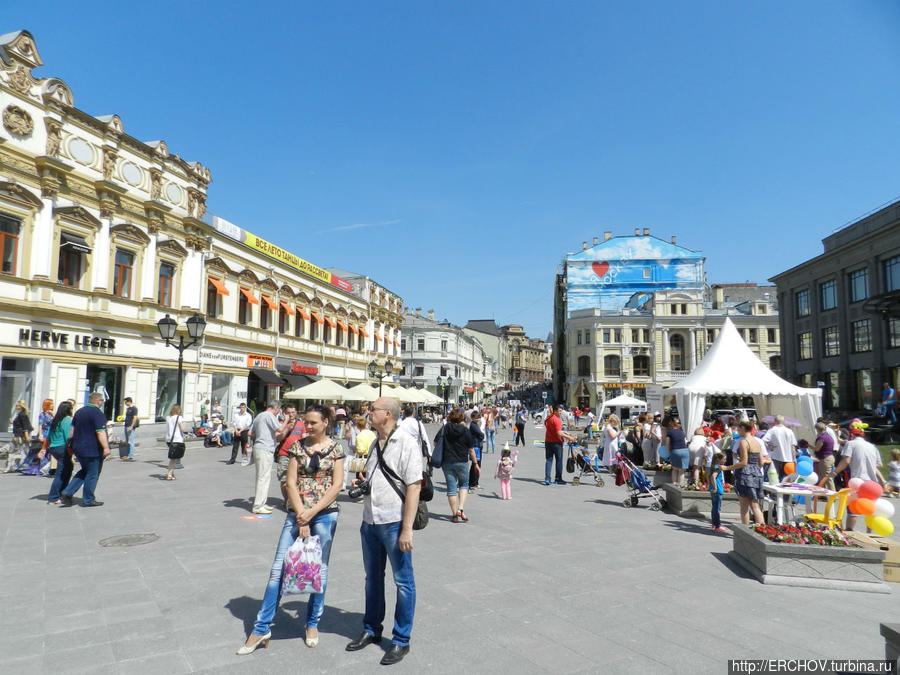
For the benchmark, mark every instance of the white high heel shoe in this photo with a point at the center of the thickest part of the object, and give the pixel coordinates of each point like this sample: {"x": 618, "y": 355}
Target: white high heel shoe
{"x": 312, "y": 642}
{"x": 262, "y": 643}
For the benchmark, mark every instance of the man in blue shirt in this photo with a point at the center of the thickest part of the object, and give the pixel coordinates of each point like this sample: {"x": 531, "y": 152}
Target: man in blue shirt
{"x": 888, "y": 399}
{"x": 91, "y": 447}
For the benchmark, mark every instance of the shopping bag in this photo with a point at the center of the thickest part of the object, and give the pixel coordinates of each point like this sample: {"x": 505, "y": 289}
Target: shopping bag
{"x": 303, "y": 567}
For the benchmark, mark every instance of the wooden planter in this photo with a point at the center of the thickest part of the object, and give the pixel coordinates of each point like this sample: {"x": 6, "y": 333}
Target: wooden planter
{"x": 699, "y": 503}
{"x": 841, "y": 568}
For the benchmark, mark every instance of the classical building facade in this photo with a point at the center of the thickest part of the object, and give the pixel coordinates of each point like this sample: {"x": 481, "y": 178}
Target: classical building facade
{"x": 496, "y": 348}
{"x": 527, "y": 357}
{"x": 841, "y": 313}
{"x": 102, "y": 235}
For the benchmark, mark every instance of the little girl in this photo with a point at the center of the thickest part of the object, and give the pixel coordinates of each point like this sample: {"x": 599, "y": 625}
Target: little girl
{"x": 716, "y": 490}
{"x": 894, "y": 476}
{"x": 505, "y": 466}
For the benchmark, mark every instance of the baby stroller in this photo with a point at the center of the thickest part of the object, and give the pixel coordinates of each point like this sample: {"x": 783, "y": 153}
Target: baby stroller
{"x": 638, "y": 486}
{"x": 583, "y": 464}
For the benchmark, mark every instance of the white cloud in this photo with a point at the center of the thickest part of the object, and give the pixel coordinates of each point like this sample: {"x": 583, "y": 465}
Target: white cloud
{"x": 359, "y": 226}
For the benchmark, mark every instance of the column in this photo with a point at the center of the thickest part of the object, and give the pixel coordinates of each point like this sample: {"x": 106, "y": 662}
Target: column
{"x": 42, "y": 243}
{"x": 100, "y": 256}
{"x": 693, "y": 334}
{"x": 665, "y": 363}
{"x": 148, "y": 276}
{"x": 192, "y": 282}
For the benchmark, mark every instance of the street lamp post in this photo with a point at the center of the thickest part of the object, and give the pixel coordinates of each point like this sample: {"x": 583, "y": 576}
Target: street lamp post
{"x": 445, "y": 387}
{"x": 375, "y": 372}
{"x": 167, "y": 328}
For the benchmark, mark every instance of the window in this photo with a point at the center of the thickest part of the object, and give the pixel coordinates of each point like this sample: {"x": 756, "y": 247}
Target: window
{"x": 443, "y": 346}
{"x": 804, "y": 346}
{"x": 676, "y": 352}
{"x": 298, "y": 324}
{"x": 775, "y": 363}
{"x": 772, "y": 335}
{"x": 314, "y": 330}
{"x": 617, "y": 336}
{"x": 762, "y": 309}
{"x": 894, "y": 333}
{"x": 606, "y": 336}
{"x": 443, "y": 371}
{"x": 420, "y": 344}
{"x": 9, "y": 243}
{"x": 859, "y": 284}
{"x": 284, "y": 322}
{"x": 635, "y": 335}
{"x": 862, "y": 335}
{"x": 584, "y": 366}
{"x": 753, "y": 336}
{"x": 611, "y": 367}
{"x": 326, "y": 332}
{"x": 831, "y": 341}
{"x": 578, "y": 337}
{"x": 892, "y": 274}
{"x": 646, "y": 272}
{"x": 801, "y": 303}
{"x": 710, "y": 335}
{"x": 402, "y": 344}
{"x": 265, "y": 316}
{"x": 646, "y": 335}
{"x": 587, "y": 337}
{"x": 419, "y": 371}
{"x": 684, "y": 309}
{"x": 641, "y": 365}
{"x": 673, "y": 309}
{"x": 833, "y": 389}
{"x": 123, "y": 269}
{"x": 245, "y": 310}
{"x": 166, "y": 276}
{"x": 828, "y": 294}
{"x": 212, "y": 300}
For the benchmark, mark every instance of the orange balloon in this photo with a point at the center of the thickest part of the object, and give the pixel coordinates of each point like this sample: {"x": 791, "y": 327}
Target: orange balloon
{"x": 862, "y": 507}
{"x": 790, "y": 468}
{"x": 870, "y": 490}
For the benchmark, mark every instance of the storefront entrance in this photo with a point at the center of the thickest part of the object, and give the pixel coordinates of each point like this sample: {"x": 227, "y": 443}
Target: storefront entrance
{"x": 221, "y": 393}
{"x": 16, "y": 384}
{"x": 166, "y": 392}
{"x": 108, "y": 381}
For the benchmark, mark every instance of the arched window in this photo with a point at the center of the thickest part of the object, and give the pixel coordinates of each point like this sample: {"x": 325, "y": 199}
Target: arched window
{"x": 676, "y": 352}
{"x": 641, "y": 365}
{"x": 611, "y": 365}
{"x": 584, "y": 366}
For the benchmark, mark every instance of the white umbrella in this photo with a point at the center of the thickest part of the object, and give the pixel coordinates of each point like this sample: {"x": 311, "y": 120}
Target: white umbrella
{"x": 324, "y": 390}
{"x": 368, "y": 392}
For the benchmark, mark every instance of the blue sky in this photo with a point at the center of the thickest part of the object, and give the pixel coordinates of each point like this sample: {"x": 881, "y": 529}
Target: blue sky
{"x": 455, "y": 151}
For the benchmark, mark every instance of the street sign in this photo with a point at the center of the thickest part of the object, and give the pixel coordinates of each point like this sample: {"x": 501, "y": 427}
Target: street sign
{"x": 544, "y": 395}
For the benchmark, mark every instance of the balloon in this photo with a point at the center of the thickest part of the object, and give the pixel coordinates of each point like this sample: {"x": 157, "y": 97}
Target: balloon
{"x": 862, "y": 507}
{"x": 880, "y": 525}
{"x": 884, "y": 508}
{"x": 812, "y": 478}
{"x": 855, "y": 483}
{"x": 804, "y": 468}
{"x": 870, "y": 490}
{"x": 790, "y": 468}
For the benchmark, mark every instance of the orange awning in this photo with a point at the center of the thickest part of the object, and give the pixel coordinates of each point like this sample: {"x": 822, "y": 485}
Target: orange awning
{"x": 378, "y": 337}
{"x": 250, "y": 297}
{"x": 287, "y": 308}
{"x": 342, "y": 325}
{"x": 220, "y": 287}
{"x": 354, "y": 329}
{"x": 363, "y": 331}
{"x": 302, "y": 312}
{"x": 269, "y": 301}
{"x": 330, "y": 321}
{"x": 317, "y": 318}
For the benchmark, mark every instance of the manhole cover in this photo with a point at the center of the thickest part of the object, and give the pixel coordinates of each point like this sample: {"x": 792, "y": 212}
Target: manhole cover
{"x": 130, "y": 539}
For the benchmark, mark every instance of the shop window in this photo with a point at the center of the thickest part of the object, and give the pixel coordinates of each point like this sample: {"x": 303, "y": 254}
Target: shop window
{"x": 611, "y": 365}
{"x": 893, "y": 327}
{"x": 284, "y": 321}
{"x": 861, "y": 332}
{"x": 641, "y": 365}
{"x": 72, "y": 256}
{"x": 831, "y": 341}
{"x": 804, "y": 346}
{"x": 859, "y": 284}
{"x": 166, "y": 278}
{"x": 584, "y": 366}
{"x": 167, "y": 392}
{"x": 108, "y": 381}
{"x": 892, "y": 274}
{"x": 801, "y": 302}
{"x": 828, "y": 294}
{"x": 221, "y": 394}
{"x": 123, "y": 270}
{"x": 9, "y": 243}
{"x": 16, "y": 383}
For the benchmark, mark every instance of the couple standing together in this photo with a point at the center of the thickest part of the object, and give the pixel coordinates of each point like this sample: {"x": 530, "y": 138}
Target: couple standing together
{"x": 313, "y": 481}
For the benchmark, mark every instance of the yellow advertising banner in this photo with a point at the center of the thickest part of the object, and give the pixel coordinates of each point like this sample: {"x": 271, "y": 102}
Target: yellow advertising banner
{"x": 286, "y": 257}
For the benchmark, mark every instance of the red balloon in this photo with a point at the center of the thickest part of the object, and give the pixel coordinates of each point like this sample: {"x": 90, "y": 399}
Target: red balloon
{"x": 870, "y": 490}
{"x": 862, "y": 507}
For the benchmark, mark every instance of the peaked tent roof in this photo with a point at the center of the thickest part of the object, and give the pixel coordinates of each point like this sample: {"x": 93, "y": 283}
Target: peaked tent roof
{"x": 730, "y": 367}
{"x": 624, "y": 402}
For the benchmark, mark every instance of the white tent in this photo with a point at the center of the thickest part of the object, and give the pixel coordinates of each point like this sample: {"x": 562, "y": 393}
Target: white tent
{"x": 625, "y": 402}
{"x": 729, "y": 368}
{"x": 324, "y": 390}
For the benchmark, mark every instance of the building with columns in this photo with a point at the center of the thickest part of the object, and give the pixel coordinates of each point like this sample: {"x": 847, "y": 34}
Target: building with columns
{"x": 102, "y": 235}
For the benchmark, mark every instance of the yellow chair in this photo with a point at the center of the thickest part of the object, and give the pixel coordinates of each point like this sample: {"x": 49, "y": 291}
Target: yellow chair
{"x": 841, "y": 497}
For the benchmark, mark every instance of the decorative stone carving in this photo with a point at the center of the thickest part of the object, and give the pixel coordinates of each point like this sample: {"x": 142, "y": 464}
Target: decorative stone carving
{"x": 50, "y": 184}
{"x": 20, "y": 194}
{"x": 54, "y": 136}
{"x": 17, "y": 121}
{"x": 20, "y": 80}
{"x": 201, "y": 206}
{"x": 192, "y": 202}
{"x": 155, "y": 221}
{"x": 109, "y": 163}
{"x": 155, "y": 184}
{"x": 54, "y": 90}
{"x": 78, "y": 214}
{"x": 196, "y": 242}
{"x": 130, "y": 231}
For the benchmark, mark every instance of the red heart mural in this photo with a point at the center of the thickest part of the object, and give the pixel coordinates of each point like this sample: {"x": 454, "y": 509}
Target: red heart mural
{"x": 600, "y": 268}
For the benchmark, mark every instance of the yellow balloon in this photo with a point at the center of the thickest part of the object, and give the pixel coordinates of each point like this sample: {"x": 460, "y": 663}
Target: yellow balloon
{"x": 880, "y": 525}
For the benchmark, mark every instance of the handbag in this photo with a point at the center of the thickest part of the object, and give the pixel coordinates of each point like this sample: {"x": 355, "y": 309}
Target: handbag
{"x": 357, "y": 464}
{"x": 426, "y": 493}
{"x": 176, "y": 450}
{"x": 437, "y": 455}
{"x": 303, "y": 566}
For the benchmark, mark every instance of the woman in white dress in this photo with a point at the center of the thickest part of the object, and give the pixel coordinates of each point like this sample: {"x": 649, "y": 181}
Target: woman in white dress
{"x": 610, "y": 441}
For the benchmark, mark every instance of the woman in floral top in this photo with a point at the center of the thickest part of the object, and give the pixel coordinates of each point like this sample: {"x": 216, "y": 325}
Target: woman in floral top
{"x": 314, "y": 479}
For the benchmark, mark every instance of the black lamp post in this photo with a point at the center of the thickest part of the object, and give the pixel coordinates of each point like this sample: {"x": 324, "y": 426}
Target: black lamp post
{"x": 445, "y": 387}
{"x": 374, "y": 372}
{"x": 167, "y": 328}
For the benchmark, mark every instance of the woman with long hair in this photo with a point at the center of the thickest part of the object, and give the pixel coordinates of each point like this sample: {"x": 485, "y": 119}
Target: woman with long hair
{"x": 59, "y": 433}
{"x": 21, "y": 442}
{"x": 174, "y": 434}
{"x": 610, "y": 440}
{"x": 748, "y": 473}
{"x": 679, "y": 455}
{"x": 314, "y": 479}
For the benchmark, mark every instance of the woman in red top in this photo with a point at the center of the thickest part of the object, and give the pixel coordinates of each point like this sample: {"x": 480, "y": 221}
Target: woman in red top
{"x": 553, "y": 445}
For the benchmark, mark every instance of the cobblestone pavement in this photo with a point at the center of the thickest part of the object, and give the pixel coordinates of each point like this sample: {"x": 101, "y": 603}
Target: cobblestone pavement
{"x": 560, "y": 579}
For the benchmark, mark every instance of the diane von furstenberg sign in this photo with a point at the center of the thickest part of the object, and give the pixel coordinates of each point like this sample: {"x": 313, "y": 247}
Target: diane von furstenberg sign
{"x": 214, "y": 356}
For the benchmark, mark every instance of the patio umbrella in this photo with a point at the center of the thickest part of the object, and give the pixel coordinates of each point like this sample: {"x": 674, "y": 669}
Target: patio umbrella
{"x": 324, "y": 390}
{"x": 368, "y": 392}
{"x": 788, "y": 421}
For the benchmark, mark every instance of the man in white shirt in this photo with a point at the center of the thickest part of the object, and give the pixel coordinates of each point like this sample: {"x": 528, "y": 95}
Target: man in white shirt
{"x": 863, "y": 459}
{"x": 386, "y": 530}
{"x": 781, "y": 444}
{"x": 414, "y": 427}
{"x": 264, "y": 430}
{"x": 242, "y": 420}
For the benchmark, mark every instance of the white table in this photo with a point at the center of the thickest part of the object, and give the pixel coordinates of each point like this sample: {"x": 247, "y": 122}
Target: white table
{"x": 788, "y": 490}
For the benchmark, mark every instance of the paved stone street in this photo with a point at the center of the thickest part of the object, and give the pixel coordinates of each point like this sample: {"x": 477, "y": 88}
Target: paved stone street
{"x": 559, "y": 579}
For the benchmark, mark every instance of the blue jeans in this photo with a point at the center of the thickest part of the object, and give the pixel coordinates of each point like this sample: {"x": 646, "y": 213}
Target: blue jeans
{"x": 129, "y": 438}
{"x": 489, "y": 440}
{"x": 63, "y": 474}
{"x": 456, "y": 474}
{"x": 87, "y": 476}
{"x": 379, "y": 543}
{"x": 716, "y": 509}
{"x": 323, "y": 526}
{"x": 887, "y": 410}
{"x": 551, "y": 451}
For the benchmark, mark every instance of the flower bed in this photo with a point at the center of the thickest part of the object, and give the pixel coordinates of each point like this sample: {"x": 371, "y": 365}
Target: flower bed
{"x": 694, "y": 502}
{"x": 832, "y": 565}
{"x": 805, "y": 533}
{"x": 703, "y": 487}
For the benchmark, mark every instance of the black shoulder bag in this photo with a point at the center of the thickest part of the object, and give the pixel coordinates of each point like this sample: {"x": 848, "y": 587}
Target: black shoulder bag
{"x": 426, "y": 494}
{"x": 176, "y": 450}
{"x": 421, "y": 519}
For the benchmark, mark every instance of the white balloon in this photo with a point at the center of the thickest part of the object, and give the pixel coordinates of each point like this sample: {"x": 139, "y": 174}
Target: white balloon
{"x": 884, "y": 508}
{"x": 812, "y": 478}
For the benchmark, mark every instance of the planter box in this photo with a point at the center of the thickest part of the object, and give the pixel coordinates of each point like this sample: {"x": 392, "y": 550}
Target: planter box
{"x": 698, "y": 503}
{"x": 657, "y": 478}
{"x": 840, "y": 568}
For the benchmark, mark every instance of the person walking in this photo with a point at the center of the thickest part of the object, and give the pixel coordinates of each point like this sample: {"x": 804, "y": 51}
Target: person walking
{"x": 459, "y": 449}
{"x": 314, "y": 478}
{"x": 21, "y": 442}
{"x": 505, "y": 466}
{"x": 888, "y": 401}
{"x": 553, "y": 445}
{"x": 520, "y": 428}
{"x": 490, "y": 423}
{"x": 58, "y": 438}
{"x": 781, "y": 444}
{"x": 131, "y": 423}
{"x": 387, "y": 528}
{"x": 264, "y": 429}
{"x": 863, "y": 459}
{"x": 90, "y": 446}
{"x": 478, "y": 440}
{"x": 175, "y": 434}
{"x": 241, "y": 422}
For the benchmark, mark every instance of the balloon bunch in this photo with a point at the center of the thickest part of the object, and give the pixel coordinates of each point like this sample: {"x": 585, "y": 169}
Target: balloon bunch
{"x": 804, "y": 469}
{"x": 865, "y": 500}
{"x": 859, "y": 424}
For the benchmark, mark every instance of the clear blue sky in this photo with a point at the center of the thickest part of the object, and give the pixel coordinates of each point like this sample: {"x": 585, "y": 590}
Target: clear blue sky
{"x": 455, "y": 151}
